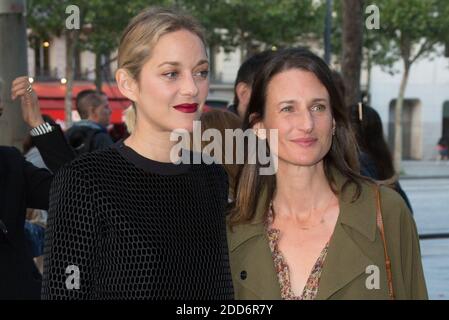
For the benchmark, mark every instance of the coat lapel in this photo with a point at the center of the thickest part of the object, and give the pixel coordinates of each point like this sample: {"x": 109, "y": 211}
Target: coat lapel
{"x": 254, "y": 267}
{"x": 345, "y": 260}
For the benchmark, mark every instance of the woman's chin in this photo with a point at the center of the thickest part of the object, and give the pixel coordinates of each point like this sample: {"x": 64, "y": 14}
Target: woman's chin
{"x": 301, "y": 161}
{"x": 185, "y": 123}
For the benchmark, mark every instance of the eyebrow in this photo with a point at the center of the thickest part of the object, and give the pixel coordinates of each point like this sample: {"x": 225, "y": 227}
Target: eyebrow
{"x": 286, "y": 101}
{"x": 177, "y": 64}
{"x": 313, "y": 101}
{"x": 320, "y": 100}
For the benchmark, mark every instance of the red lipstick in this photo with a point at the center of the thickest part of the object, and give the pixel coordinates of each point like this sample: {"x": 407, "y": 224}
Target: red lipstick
{"x": 187, "y": 107}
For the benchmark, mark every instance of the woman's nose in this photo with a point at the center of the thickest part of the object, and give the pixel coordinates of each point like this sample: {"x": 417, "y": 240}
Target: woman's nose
{"x": 189, "y": 86}
{"x": 305, "y": 121}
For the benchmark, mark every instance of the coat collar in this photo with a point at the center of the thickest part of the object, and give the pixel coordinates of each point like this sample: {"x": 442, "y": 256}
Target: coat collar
{"x": 345, "y": 260}
{"x": 358, "y": 215}
{"x": 361, "y": 213}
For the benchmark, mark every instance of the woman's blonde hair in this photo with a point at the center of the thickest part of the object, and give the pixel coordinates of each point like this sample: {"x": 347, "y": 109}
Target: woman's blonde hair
{"x": 142, "y": 33}
{"x": 130, "y": 118}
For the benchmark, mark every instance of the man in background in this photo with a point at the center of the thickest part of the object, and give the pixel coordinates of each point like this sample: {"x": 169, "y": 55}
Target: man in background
{"x": 90, "y": 133}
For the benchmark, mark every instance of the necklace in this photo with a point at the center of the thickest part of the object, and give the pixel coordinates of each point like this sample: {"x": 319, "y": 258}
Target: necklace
{"x": 321, "y": 222}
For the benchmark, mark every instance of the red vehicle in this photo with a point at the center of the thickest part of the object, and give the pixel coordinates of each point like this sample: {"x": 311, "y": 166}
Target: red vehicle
{"x": 51, "y": 97}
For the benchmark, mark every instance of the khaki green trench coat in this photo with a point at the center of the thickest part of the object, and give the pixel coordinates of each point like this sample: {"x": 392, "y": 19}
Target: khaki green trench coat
{"x": 356, "y": 246}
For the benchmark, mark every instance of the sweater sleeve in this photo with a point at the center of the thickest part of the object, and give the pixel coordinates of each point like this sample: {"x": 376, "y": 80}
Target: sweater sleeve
{"x": 71, "y": 237}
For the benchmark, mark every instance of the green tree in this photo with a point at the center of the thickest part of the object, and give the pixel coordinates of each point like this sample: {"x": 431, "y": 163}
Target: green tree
{"x": 214, "y": 17}
{"x": 48, "y": 18}
{"x": 103, "y": 24}
{"x": 275, "y": 23}
{"x": 409, "y": 31}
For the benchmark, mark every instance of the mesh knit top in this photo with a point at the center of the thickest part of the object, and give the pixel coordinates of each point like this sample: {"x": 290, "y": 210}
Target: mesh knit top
{"x": 137, "y": 229}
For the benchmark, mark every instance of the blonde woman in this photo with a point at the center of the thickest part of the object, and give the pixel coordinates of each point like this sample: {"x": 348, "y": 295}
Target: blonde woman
{"x": 125, "y": 222}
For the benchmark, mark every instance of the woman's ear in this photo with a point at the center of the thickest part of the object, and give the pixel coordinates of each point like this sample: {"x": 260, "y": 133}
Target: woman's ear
{"x": 126, "y": 84}
{"x": 243, "y": 93}
{"x": 258, "y": 127}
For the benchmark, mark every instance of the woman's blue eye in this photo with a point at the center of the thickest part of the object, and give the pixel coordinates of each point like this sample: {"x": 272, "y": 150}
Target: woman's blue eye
{"x": 203, "y": 74}
{"x": 171, "y": 75}
{"x": 287, "y": 109}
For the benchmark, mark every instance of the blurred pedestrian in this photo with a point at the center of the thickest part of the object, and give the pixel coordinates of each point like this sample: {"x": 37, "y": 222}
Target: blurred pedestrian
{"x": 90, "y": 133}
{"x": 22, "y": 186}
{"x": 375, "y": 157}
{"x": 36, "y": 219}
{"x": 443, "y": 149}
{"x": 244, "y": 82}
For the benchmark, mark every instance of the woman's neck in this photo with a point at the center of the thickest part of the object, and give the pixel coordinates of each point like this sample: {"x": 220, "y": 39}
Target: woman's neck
{"x": 150, "y": 143}
{"x": 301, "y": 190}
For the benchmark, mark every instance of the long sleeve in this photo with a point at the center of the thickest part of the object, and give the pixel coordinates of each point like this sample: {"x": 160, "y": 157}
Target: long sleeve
{"x": 414, "y": 280}
{"x": 37, "y": 185}
{"x": 71, "y": 237}
{"x": 54, "y": 148}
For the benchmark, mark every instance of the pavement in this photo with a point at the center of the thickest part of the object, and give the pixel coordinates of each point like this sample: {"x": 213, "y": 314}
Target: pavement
{"x": 428, "y": 198}
{"x": 412, "y": 169}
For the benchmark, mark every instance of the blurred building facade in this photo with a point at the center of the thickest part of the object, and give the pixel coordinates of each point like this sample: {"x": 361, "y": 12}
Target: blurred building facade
{"x": 425, "y": 116}
{"x": 425, "y": 112}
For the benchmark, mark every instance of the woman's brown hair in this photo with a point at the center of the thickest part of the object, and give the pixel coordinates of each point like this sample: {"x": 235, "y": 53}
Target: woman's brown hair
{"x": 342, "y": 155}
{"x": 222, "y": 120}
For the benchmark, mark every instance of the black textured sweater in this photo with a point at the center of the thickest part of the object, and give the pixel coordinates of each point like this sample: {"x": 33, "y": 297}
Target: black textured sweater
{"x": 136, "y": 229}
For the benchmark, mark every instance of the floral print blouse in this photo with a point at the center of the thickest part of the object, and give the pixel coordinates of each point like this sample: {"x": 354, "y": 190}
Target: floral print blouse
{"x": 311, "y": 288}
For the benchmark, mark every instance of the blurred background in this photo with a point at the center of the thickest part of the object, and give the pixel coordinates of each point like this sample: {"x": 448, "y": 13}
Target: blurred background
{"x": 393, "y": 55}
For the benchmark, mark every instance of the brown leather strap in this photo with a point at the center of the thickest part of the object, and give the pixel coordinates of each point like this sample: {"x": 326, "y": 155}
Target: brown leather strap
{"x": 380, "y": 225}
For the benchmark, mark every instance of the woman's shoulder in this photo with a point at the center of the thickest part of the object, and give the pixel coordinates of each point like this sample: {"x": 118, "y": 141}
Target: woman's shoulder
{"x": 394, "y": 210}
{"x": 92, "y": 162}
